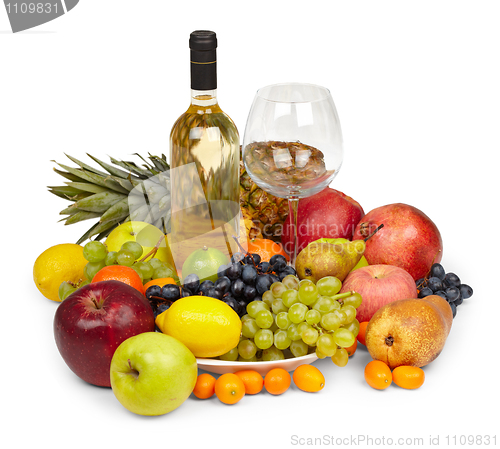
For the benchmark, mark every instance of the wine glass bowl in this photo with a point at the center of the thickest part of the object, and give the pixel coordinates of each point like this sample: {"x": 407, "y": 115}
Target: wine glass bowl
{"x": 292, "y": 147}
{"x": 287, "y": 169}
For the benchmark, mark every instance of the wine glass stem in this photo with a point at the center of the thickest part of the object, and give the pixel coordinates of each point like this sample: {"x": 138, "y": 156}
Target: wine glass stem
{"x": 293, "y": 206}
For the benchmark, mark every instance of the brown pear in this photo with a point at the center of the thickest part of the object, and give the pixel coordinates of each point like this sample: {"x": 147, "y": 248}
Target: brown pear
{"x": 409, "y": 331}
{"x": 444, "y": 307}
{"x": 320, "y": 259}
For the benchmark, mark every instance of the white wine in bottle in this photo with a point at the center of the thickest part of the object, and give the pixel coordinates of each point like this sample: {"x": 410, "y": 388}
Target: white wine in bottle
{"x": 204, "y": 163}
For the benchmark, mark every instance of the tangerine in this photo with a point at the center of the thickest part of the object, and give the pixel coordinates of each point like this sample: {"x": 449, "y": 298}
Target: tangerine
{"x": 352, "y": 349}
{"x": 409, "y": 377}
{"x": 265, "y": 248}
{"x": 378, "y": 375}
{"x": 361, "y": 337}
{"x": 120, "y": 273}
{"x": 205, "y": 386}
{"x": 277, "y": 381}
{"x": 252, "y": 380}
{"x": 229, "y": 388}
{"x": 160, "y": 281}
{"x": 308, "y": 378}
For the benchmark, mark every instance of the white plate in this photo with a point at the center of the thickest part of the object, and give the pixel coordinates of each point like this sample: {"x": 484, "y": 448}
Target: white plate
{"x": 221, "y": 366}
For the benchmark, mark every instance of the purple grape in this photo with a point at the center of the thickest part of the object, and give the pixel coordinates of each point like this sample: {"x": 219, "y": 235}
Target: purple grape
{"x": 465, "y": 291}
{"x": 451, "y": 280}
{"x": 249, "y": 274}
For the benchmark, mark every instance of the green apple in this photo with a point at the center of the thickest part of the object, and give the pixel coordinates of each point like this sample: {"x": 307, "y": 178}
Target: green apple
{"x": 362, "y": 262}
{"x": 152, "y": 373}
{"x": 143, "y": 233}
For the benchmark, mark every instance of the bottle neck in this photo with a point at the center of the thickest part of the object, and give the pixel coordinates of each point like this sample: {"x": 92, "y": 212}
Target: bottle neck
{"x": 204, "y": 97}
{"x": 203, "y": 70}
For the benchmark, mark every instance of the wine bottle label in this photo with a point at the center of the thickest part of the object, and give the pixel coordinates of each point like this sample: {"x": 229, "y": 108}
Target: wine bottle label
{"x": 199, "y": 219}
{"x": 203, "y": 75}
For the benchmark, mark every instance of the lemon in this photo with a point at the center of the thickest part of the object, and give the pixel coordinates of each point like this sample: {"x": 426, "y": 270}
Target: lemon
{"x": 207, "y": 326}
{"x": 204, "y": 262}
{"x": 59, "y": 263}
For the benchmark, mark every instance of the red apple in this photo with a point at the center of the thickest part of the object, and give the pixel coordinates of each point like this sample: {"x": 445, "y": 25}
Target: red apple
{"x": 378, "y": 285}
{"x": 409, "y": 238}
{"x": 328, "y": 214}
{"x": 92, "y": 322}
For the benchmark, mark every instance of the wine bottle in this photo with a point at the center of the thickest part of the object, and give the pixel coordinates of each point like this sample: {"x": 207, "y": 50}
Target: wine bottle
{"x": 204, "y": 163}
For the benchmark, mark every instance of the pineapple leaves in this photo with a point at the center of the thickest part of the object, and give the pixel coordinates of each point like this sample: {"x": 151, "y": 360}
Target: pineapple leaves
{"x": 95, "y": 178}
{"x": 112, "y": 196}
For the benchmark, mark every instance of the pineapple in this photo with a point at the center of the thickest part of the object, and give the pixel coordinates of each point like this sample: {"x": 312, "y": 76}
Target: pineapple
{"x": 252, "y": 229}
{"x": 266, "y": 211}
{"x": 142, "y": 193}
{"x": 137, "y": 194}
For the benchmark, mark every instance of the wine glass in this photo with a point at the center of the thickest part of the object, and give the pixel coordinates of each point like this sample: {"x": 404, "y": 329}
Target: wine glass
{"x": 292, "y": 147}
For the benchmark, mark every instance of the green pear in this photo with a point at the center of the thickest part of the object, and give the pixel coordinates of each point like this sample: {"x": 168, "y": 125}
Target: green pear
{"x": 362, "y": 262}
{"x": 320, "y": 259}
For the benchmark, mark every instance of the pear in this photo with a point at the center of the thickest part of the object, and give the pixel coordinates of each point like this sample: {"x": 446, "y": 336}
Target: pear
{"x": 362, "y": 262}
{"x": 320, "y": 259}
{"x": 409, "y": 331}
{"x": 444, "y": 307}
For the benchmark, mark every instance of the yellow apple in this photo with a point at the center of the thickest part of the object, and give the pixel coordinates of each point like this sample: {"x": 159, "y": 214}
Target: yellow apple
{"x": 143, "y": 233}
{"x": 362, "y": 262}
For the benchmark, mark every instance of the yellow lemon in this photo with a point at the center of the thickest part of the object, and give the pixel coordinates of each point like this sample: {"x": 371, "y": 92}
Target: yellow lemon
{"x": 204, "y": 262}
{"x": 59, "y": 263}
{"x": 207, "y": 326}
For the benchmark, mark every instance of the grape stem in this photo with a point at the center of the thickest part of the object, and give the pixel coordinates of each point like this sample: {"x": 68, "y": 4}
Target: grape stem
{"x": 154, "y": 250}
{"x": 426, "y": 278}
{"x": 343, "y": 295}
{"x": 244, "y": 251}
{"x": 239, "y": 245}
{"x": 336, "y": 297}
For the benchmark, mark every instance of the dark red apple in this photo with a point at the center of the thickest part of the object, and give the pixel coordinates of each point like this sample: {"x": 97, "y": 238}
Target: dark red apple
{"x": 328, "y": 214}
{"x": 409, "y": 238}
{"x": 378, "y": 285}
{"x": 92, "y": 322}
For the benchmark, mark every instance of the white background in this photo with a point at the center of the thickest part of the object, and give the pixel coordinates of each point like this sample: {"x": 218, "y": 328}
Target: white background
{"x": 416, "y": 85}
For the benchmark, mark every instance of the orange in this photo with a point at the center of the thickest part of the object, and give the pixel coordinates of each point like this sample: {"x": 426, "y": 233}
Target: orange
{"x": 229, "y": 388}
{"x": 265, "y": 248}
{"x": 205, "y": 386}
{"x": 308, "y": 378}
{"x": 252, "y": 380}
{"x": 378, "y": 375}
{"x": 160, "y": 281}
{"x": 120, "y": 273}
{"x": 409, "y": 377}
{"x": 352, "y": 349}
{"x": 277, "y": 381}
{"x": 362, "y": 332}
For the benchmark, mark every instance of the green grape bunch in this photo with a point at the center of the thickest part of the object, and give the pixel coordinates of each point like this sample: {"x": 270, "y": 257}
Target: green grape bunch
{"x": 298, "y": 317}
{"x": 97, "y": 255}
